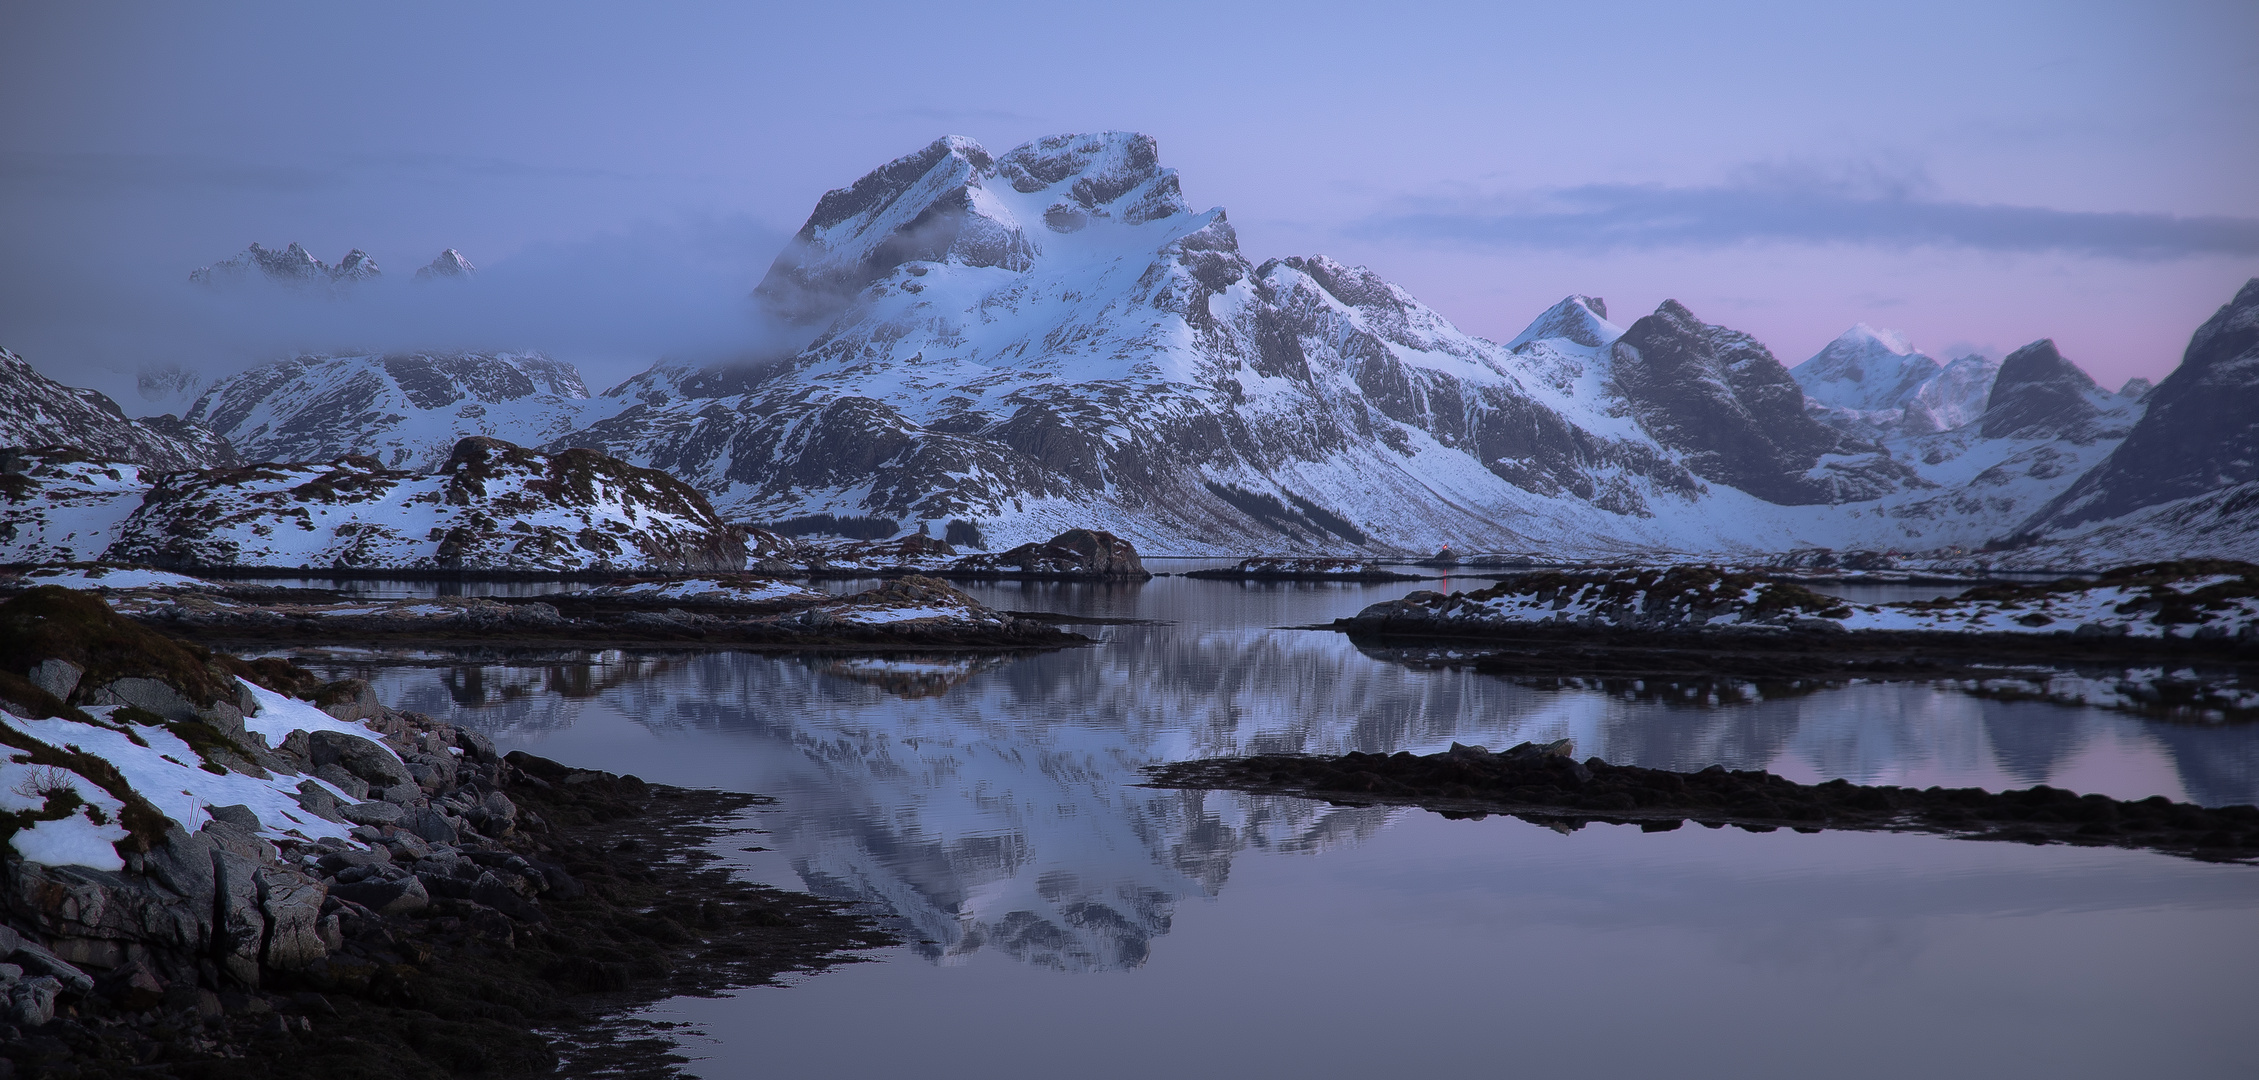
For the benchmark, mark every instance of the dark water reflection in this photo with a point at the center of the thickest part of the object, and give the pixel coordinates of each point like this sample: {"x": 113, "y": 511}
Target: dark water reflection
{"x": 988, "y": 807}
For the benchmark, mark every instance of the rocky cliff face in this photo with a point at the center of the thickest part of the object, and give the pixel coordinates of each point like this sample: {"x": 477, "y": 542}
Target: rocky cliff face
{"x": 1873, "y": 384}
{"x": 2199, "y": 432}
{"x": 1720, "y": 399}
{"x": 2039, "y": 394}
{"x": 407, "y": 410}
{"x": 491, "y": 507}
{"x": 42, "y": 412}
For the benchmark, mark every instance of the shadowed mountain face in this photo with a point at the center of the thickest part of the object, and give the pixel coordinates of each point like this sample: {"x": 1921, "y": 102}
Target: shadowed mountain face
{"x": 2038, "y": 394}
{"x": 2200, "y": 432}
{"x": 42, "y": 412}
{"x": 1720, "y": 398}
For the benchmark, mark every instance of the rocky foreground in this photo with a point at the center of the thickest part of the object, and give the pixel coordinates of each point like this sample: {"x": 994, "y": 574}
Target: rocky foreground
{"x": 1545, "y": 784}
{"x": 214, "y": 868}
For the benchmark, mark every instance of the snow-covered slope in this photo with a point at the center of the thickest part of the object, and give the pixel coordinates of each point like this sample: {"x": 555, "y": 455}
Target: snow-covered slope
{"x": 492, "y": 506}
{"x": 63, "y": 506}
{"x": 406, "y": 409}
{"x": 38, "y": 411}
{"x": 1051, "y": 338}
{"x": 1873, "y": 383}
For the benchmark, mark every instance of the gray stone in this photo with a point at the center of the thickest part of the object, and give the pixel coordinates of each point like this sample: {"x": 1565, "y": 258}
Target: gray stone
{"x": 361, "y": 757}
{"x": 161, "y": 698}
{"x": 9, "y": 939}
{"x": 184, "y": 865}
{"x": 346, "y": 782}
{"x": 297, "y": 750}
{"x": 431, "y": 825}
{"x": 239, "y": 924}
{"x": 316, "y": 800}
{"x": 31, "y": 1003}
{"x": 358, "y": 703}
{"x": 236, "y": 814}
{"x": 405, "y": 794}
{"x": 292, "y": 903}
{"x": 38, "y": 961}
{"x": 57, "y": 676}
{"x": 386, "y": 897}
{"x": 370, "y": 813}
{"x": 234, "y": 838}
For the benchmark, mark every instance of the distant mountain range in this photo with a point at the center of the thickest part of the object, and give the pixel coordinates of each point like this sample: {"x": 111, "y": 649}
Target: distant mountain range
{"x": 1052, "y": 338}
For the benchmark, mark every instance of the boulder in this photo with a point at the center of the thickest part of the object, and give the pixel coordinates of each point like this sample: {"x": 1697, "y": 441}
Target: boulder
{"x": 56, "y": 676}
{"x": 346, "y": 782}
{"x": 361, "y": 757}
{"x": 386, "y": 897}
{"x": 371, "y": 813}
{"x": 430, "y": 824}
{"x": 239, "y": 926}
{"x": 317, "y": 800}
{"x": 292, "y": 904}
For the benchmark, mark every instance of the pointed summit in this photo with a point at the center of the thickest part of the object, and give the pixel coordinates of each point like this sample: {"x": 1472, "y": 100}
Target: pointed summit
{"x": 1581, "y": 319}
{"x": 449, "y": 264}
{"x": 2039, "y": 394}
{"x": 292, "y": 265}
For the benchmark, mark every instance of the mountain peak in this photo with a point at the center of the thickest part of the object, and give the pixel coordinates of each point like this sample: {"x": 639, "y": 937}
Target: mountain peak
{"x": 1865, "y": 370}
{"x": 293, "y": 265}
{"x": 449, "y": 264}
{"x": 1581, "y": 319}
{"x": 2038, "y": 393}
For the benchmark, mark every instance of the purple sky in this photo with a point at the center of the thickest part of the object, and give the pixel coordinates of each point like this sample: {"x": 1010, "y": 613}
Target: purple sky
{"x": 1974, "y": 175}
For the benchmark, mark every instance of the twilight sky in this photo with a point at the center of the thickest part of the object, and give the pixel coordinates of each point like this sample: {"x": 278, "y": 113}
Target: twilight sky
{"x": 1976, "y": 175}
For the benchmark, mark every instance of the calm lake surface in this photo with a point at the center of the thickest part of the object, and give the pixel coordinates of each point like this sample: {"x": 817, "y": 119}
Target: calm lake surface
{"x": 1066, "y": 922}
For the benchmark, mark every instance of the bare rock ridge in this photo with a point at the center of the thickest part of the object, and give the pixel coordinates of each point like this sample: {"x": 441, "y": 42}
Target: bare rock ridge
{"x": 42, "y": 412}
{"x": 2198, "y": 434}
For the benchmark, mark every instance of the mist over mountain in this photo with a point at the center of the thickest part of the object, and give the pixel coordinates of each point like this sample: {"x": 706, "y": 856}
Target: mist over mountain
{"x": 1051, "y": 337}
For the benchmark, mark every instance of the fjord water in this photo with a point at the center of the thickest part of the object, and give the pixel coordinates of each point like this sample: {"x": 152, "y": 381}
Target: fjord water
{"x": 1063, "y": 920}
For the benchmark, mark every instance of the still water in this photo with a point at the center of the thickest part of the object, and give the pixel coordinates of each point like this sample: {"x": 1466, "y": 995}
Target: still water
{"x": 1064, "y": 921}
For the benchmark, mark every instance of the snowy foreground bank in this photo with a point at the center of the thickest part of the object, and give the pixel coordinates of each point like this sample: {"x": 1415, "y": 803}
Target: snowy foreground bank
{"x": 213, "y": 863}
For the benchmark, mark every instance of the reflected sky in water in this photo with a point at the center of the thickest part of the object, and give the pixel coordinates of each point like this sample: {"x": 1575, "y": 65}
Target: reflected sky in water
{"x": 988, "y": 808}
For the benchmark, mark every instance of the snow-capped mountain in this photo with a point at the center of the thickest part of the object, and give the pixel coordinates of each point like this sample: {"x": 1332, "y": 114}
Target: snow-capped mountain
{"x": 1866, "y": 370}
{"x": 408, "y": 410}
{"x": 63, "y": 505}
{"x": 491, "y": 506}
{"x": 2198, "y": 433}
{"x": 1051, "y": 336}
{"x": 1873, "y": 383}
{"x": 42, "y": 412}
{"x": 449, "y": 264}
{"x": 292, "y": 266}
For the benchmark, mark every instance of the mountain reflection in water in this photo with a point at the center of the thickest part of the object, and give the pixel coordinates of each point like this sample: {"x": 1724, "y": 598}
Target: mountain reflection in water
{"x": 991, "y": 802}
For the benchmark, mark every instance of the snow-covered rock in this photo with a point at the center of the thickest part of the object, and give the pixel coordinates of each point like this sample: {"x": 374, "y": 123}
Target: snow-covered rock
{"x": 2188, "y": 600}
{"x": 41, "y": 412}
{"x": 449, "y": 264}
{"x": 292, "y": 266}
{"x": 1873, "y": 383}
{"x": 408, "y": 410}
{"x": 492, "y": 506}
{"x": 63, "y": 506}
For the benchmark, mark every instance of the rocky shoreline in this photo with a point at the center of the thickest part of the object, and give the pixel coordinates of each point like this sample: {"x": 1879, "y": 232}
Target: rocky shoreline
{"x": 392, "y": 898}
{"x": 1544, "y": 784}
{"x": 733, "y": 611}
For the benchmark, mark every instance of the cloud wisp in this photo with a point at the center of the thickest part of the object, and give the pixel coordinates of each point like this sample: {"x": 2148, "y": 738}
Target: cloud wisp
{"x": 1630, "y": 217}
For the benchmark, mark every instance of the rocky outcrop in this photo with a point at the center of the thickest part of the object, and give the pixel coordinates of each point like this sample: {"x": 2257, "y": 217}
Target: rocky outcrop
{"x": 43, "y": 413}
{"x": 1077, "y": 554}
{"x": 407, "y": 410}
{"x": 491, "y": 507}
{"x": 2199, "y": 433}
